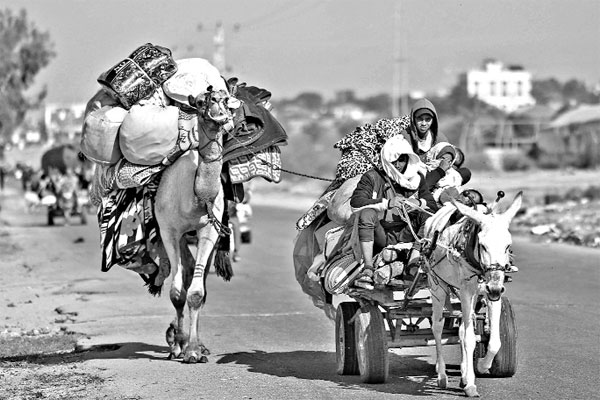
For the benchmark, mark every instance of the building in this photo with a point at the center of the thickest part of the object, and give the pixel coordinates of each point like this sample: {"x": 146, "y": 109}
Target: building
{"x": 64, "y": 121}
{"x": 505, "y": 87}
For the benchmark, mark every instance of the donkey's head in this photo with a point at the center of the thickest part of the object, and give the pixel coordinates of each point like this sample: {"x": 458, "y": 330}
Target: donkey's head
{"x": 494, "y": 243}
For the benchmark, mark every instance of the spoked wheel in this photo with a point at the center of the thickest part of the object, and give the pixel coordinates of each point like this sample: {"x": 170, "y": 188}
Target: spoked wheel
{"x": 345, "y": 343}
{"x": 371, "y": 345}
{"x": 505, "y": 362}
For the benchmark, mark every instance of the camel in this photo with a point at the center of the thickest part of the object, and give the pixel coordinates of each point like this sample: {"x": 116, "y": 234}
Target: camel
{"x": 190, "y": 197}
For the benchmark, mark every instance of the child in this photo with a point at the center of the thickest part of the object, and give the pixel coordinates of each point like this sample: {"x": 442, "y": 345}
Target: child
{"x": 444, "y": 176}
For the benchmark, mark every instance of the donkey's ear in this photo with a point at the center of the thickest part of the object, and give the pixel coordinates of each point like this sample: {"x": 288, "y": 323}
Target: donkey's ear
{"x": 468, "y": 211}
{"x": 512, "y": 210}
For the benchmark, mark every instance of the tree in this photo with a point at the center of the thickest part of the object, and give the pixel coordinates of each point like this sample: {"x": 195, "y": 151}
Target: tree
{"x": 310, "y": 101}
{"x": 24, "y": 52}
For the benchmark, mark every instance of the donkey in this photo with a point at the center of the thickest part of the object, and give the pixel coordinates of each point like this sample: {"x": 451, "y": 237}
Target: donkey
{"x": 452, "y": 267}
{"x": 190, "y": 197}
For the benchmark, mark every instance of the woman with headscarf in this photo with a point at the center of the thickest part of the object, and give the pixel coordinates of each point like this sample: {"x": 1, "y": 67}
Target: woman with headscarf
{"x": 379, "y": 195}
{"x": 423, "y": 132}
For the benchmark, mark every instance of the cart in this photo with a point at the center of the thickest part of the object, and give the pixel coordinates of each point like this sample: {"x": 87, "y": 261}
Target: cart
{"x": 369, "y": 322}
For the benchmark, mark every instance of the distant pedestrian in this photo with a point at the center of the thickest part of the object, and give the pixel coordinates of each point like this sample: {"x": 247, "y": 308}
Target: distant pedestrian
{"x": 2, "y": 177}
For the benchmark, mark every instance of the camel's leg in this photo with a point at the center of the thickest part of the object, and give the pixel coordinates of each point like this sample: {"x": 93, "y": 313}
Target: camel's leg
{"x": 467, "y": 338}
{"x": 438, "y": 298}
{"x": 494, "y": 311}
{"x": 182, "y": 273}
{"x": 207, "y": 238}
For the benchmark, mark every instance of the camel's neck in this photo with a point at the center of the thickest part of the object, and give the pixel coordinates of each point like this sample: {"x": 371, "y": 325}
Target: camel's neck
{"x": 210, "y": 162}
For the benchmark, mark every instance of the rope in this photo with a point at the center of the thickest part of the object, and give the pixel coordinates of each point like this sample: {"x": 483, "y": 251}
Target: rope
{"x": 219, "y": 226}
{"x": 278, "y": 167}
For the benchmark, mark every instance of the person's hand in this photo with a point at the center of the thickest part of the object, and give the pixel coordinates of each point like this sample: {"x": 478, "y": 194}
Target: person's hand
{"x": 396, "y": 201}
{"x": 445, "y": 164}
{"x": 413, "y": 201}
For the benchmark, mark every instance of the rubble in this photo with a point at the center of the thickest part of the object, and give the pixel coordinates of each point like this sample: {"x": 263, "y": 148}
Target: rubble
{"x": 573, "y": 218}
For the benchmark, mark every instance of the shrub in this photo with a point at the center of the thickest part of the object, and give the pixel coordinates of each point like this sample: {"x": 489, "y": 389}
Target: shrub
{"x": 516, "y": 162}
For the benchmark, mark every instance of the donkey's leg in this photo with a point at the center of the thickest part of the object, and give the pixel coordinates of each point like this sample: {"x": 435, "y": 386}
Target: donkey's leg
{"x": 438, "y": 298}
{"x": 494, "y": 310}
{"x": 207, "y": 238}
{"x": 467, "y": 336}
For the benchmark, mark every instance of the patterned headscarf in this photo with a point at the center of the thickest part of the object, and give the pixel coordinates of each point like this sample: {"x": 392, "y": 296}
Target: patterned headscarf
{"x": 393, "y": 148}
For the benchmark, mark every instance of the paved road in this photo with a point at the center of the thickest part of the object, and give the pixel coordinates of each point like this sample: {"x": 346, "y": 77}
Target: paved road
{"x": 269, "y": 342}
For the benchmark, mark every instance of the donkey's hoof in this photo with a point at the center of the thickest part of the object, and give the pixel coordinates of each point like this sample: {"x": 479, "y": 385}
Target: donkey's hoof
{"x": 471, "y": 391}
{"x": 480, "y": 368}
{"x": 442, "y": 382}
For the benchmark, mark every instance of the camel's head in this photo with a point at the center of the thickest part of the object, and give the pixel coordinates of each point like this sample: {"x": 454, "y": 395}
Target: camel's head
{"x": 494, "y": 243}
{"x": 215, "y": 107}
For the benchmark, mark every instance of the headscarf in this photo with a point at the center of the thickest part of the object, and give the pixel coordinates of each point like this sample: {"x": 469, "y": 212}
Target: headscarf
{"x": 393, "y": 148}
{"x": 432, "y": 158}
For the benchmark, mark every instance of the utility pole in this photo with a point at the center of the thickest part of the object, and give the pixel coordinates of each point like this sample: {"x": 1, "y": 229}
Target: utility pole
{"x": 219, "y": 44}
{"x": 400, "y": 70}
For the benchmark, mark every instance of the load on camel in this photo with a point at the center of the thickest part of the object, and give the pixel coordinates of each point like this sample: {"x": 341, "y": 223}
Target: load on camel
{"x": 173, "y": 141}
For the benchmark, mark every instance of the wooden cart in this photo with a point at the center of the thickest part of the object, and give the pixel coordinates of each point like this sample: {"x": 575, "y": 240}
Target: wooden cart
{"x": 369, "y": 322}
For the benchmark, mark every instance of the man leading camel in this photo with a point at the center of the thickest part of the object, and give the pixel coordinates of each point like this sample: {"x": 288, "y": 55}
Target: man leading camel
{"x": 380, "y": 194}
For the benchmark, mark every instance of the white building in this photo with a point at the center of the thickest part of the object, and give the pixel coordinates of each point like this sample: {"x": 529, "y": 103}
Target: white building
{"x": 507, "y": 88}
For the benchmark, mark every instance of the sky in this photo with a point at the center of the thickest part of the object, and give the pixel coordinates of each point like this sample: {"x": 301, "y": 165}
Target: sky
{"x": 323, "y": 46}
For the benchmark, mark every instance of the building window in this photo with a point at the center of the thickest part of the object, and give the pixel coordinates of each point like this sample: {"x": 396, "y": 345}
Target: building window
{"x": 519, "y": 88}
{"x": 504, "y": 88}
{"x": 476, "y": 84}
{"x": 492, "y": 88}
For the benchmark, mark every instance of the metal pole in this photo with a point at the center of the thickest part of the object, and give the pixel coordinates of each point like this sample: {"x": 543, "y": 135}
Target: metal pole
{"x": 396, "y": 51}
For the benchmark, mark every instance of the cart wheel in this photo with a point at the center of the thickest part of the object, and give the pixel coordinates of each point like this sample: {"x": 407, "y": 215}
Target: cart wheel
{"x": 371, "y": 345}
{"x": 505, "y": 362}
{"x": 345, "y": 343}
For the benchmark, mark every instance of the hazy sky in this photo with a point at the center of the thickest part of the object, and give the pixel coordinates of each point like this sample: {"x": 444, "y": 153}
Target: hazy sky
{"x": 293, "y": 46}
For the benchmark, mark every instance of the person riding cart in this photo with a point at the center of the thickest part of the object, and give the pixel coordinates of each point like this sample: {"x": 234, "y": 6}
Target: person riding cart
{"x": 379, "y": 198}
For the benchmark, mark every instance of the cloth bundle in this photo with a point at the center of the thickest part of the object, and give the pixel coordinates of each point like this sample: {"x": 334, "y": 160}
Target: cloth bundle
{"x": 138, "y": 76}
{"x": 138, "y": 114}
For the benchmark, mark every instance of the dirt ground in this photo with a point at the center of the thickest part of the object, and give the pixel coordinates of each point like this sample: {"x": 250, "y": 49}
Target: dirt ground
{"x": 25, "y": 315}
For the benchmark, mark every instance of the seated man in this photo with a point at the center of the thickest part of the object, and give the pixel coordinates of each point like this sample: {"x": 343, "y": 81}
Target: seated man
{"x": 380, "y": 194}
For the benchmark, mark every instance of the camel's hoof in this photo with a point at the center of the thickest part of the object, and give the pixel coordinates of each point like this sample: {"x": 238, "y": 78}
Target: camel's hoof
{"x": 190, "y": 359}
{"x": 195, "y": 358}
{"x": 471, "y": 391}
{"x": 442, "y": 382}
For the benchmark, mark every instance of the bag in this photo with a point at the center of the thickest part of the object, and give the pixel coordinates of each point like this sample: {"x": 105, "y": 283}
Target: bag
{"x": 140, "y": 75}
{"x": 193, "y": 77}
{"x": 99, "y": 134}
{"x": 339, "y": 209}
{"x": 148, "y": 133}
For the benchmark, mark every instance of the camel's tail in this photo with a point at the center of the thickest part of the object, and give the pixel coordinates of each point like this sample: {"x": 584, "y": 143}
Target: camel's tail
{"x": 154, "y": 290}
{"x": 222, "y": 263}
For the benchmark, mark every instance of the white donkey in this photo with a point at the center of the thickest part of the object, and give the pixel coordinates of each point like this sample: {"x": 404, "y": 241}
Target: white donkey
{"x": 450, "y": 269}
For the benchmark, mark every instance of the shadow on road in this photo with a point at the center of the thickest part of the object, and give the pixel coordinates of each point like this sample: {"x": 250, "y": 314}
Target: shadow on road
{"x": 407, "y": 374}
{"x": 121, "y": 351}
